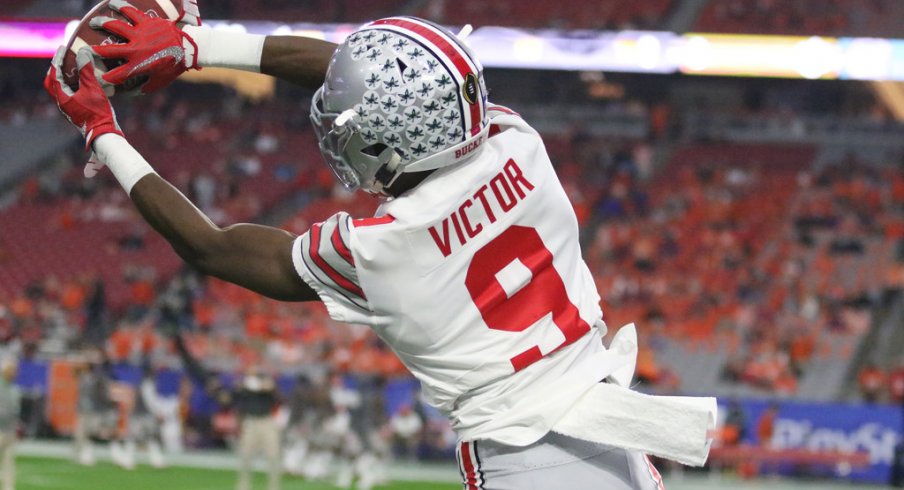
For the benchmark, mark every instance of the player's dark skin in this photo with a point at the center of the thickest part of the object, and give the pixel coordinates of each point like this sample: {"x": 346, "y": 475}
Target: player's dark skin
{"x": 253, "y": 256}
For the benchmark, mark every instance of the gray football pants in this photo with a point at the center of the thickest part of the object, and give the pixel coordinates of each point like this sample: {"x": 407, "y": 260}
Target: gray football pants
{"x": 554, "y": 462}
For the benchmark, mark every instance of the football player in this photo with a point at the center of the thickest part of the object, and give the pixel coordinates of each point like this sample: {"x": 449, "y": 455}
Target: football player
{"x": 471, "y": 269}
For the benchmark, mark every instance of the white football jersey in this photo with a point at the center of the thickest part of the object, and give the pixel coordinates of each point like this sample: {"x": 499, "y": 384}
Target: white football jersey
{"x": 475, "y": 279}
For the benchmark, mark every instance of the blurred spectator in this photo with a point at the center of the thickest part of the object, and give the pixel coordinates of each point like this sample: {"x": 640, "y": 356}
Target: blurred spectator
{"x": 735, "y": 426}
{"x": 254, "y": 401}
{"x": 765, "y": 426}
{"x": 144, "y": 423}
{"x": 96, "y": 314}
{"x": 406, "y": 427}
{"x": 143, "y": 292}
{"x": 9, "y": 423}
{"x": 97, "y": 415}
{"x": 309, "y": 406}
{"x": 872, "y": 382}
{"x": 896, "y": 383}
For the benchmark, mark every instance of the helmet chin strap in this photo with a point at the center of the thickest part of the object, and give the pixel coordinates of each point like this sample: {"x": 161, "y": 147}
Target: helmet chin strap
{"x": 388, "y": 173}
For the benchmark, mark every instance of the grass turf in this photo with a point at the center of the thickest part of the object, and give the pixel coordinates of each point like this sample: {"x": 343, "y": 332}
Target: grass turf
{"x": 42, "y": 474}
{"x": 56, "y": 474}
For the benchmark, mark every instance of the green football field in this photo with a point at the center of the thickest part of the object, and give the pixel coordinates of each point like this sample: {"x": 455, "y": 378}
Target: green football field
{"x": 43, "y": 474}
{"x": 36, "y": 473}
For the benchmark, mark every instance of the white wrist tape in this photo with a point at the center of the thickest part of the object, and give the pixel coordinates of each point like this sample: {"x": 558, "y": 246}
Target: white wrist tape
{"x": 226, "y": 49}
{"x": 127, "y": 165}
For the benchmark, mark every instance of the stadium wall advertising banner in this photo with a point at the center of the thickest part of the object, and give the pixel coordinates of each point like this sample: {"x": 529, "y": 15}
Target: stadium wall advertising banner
{"x": 825, "y": 428}
{"x": 814, "y": 57}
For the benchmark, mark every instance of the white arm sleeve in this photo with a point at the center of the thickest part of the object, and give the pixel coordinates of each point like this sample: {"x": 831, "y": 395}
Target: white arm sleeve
{"x": 127, "y": 165}
{"x": 227, "y": 49}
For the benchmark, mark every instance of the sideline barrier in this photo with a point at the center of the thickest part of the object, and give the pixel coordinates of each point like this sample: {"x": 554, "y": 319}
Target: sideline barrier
{"x": 840, "y": 440}
{"x": 849, "y": 441}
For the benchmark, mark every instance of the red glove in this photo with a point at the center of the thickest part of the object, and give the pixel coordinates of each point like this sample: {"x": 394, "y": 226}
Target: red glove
{"x": 88, "y": 108}
{"x": 156, "y": 48}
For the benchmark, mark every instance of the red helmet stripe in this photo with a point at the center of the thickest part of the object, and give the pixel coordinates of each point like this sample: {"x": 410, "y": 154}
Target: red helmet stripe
{"x": 453, "y": 52}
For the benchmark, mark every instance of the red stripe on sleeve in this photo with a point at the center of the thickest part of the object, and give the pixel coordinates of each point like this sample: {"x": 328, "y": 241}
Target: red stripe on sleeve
{"x": 340, "y": 247}
{"x": 338, "y": 278}
{"x": 382, "y": 220}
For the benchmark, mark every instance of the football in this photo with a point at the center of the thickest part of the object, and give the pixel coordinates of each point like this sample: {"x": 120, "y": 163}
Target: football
{"x": 85, "y": 35}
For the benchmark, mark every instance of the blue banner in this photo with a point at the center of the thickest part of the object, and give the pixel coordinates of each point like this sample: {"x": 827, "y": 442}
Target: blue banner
{"x": 829, "y": 427}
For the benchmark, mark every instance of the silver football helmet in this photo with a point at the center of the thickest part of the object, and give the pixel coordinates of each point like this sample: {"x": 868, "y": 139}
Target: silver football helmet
{"x": 401, "y": 95}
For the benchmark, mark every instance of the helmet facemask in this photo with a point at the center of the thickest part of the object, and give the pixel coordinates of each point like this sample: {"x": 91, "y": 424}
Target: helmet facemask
{"x": 373, "y": 167}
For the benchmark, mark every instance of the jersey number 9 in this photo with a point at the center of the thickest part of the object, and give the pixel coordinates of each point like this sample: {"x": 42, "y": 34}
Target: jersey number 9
{"x": 544, "y": 293}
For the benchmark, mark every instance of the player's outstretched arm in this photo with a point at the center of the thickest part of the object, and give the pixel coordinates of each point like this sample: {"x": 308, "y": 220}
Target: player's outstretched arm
{"x": 295, "y": 59}
{"x": 256, "y": 257}
{"x": 252, "y": 256}
{"x": 299, "y": 60}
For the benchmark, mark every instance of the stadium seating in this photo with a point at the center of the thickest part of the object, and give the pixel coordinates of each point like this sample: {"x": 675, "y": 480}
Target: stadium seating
{"x": 12, "y": 7}
{"x": 565, "y": 15}
{"x": 873, "y": 18}
{"x": 66, "y": 235}
{"x": 311, "y": 11}
{"x": 577, "y": 15}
